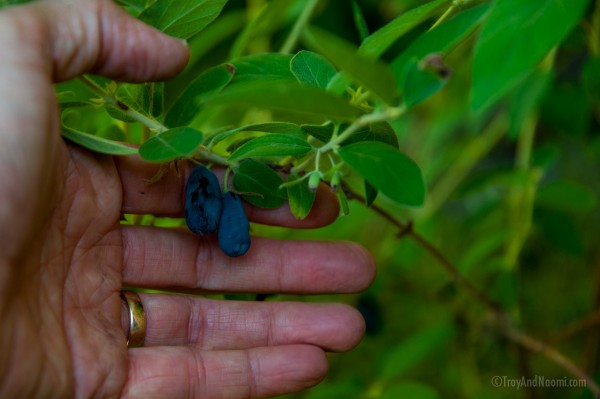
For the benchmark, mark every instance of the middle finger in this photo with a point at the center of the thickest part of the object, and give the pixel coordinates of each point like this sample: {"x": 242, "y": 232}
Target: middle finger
{"x": 177, "y": 259}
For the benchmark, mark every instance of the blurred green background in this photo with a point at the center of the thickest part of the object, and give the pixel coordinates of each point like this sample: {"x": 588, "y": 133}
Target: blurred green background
{"x": 526, "y": 234}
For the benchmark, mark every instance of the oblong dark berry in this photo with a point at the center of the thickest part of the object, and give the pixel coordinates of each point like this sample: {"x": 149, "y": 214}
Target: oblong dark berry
{"x": 234, "y": 228}
{"x": 203, "y": 201}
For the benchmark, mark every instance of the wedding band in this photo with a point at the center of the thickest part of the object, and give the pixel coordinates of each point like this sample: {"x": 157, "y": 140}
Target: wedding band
{"x": 137, "y": 319}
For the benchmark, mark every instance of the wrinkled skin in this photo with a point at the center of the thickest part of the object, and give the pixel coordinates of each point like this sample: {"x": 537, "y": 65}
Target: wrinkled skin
{"x": 64, "y": 257}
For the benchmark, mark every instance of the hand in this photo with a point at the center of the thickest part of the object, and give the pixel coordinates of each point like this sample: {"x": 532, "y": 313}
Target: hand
{"x": 64, "y": 257}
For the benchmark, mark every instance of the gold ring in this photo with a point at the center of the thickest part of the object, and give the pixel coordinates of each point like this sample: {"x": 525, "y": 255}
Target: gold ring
{"x": 137, "y": 319}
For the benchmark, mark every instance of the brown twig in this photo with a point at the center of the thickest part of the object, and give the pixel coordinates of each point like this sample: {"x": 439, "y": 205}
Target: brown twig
{"x": 406, "y": 229}
{"x": 501, "y": 318}
{"x": 536, "y": 346}
{"x": 590, "y": 321}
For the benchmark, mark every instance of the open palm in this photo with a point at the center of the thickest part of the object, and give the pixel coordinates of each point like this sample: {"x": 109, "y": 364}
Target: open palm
{"x": 64, "y": 256}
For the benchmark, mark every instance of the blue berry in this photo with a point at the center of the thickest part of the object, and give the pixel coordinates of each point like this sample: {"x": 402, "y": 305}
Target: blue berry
{"x": 203, "y": 201}
{"x": 234, "y": 228}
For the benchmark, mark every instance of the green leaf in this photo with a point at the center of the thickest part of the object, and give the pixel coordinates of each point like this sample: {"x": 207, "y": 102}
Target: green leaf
{"x": 527, "y": 98}
{"x": 360, "y": 21}
{"x": 568, "y": 196}
{"x": 212, "y": 38}
{"x": 321, "y": 132}
{"x": 179, "y": 142}
{"x": 272, "y": 145}
{"x": 591, "y": 78}
{"x": 379, "y": 42}
{"x": 156, "y": 94}
{"x": 560, "y": 229}
{"x": 301, "y": 199}
{"x": 197, "y": 94}
{"x": 442, "y": 39}
{"x": 344, "y": 206}
{"x": 97, "y": 144}
{"x": 408, "y": 389}
{"x": 370, "y": 193}
{"x": 420, "y": 82}
{"x": 259, "y": 184}
{"x": 6, "y": 3}
{"x": 288, "y": 96}
{"x": 264, "y": 67}
{"x": 134, "y": 96}
{"x": 182, "y": 18}
{"x": 415, "y": 349}
{"x": 312, "y": 69}
{"x": 269, "y": 127}
{"x": 504, "y": 56}
{"x": 373, "y": 75}
{"x": 380, "y": 131}
{"x": 388, "y": 170}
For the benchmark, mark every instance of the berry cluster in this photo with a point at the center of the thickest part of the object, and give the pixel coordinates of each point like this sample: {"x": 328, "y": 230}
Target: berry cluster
{"x": 208, "y": 210}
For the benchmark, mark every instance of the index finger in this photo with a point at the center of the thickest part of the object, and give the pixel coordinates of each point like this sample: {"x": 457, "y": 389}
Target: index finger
{"x": 165, "y": 197}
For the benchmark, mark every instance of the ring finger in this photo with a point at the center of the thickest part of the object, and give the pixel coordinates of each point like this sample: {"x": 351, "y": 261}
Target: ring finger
{"x": 230, "y": 325}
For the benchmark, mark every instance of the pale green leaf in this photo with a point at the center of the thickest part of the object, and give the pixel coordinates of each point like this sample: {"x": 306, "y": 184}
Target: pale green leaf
{"x": 97, "y": 144}
{"x": 312, "y": 69}
{"x": 269, "y": 127}
{"x": 301, "y": 199}
{"x": 269, "y": 66}
{"x": 195, "y": 96}
{"x": 288, "y": 96}
{"x": 360, "y": 21}
{"x": 375, "y": 45}
{"x": 182, "y": 18}
{"x": 271, "y": 145}
{"x": 175, "y": 143}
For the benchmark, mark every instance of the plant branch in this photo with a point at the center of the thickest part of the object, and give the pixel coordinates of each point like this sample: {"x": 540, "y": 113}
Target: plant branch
{"x": 292, "y": 39}
{"x": 590, "y": 321}
{"x": 407, "y": 230}
{"x": 444, "y": 16}
{"x": 387, "y": 114}
{"x": 551, "y": 353}
{"x": 145, "y": 120}
{"x": 500, "y": 316}
{"x": 208, "y": 155}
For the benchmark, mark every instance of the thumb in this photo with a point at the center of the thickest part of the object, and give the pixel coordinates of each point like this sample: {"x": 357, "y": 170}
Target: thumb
{"x": 96, "y": 36}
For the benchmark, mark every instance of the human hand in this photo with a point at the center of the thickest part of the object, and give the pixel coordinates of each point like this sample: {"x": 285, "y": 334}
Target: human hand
{"x": 64, "y": 257}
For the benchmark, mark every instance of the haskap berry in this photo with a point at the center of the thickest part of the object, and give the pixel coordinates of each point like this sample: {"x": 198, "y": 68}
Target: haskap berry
{"x": 234, "y": 228}
{"x": 203, "y": 201}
